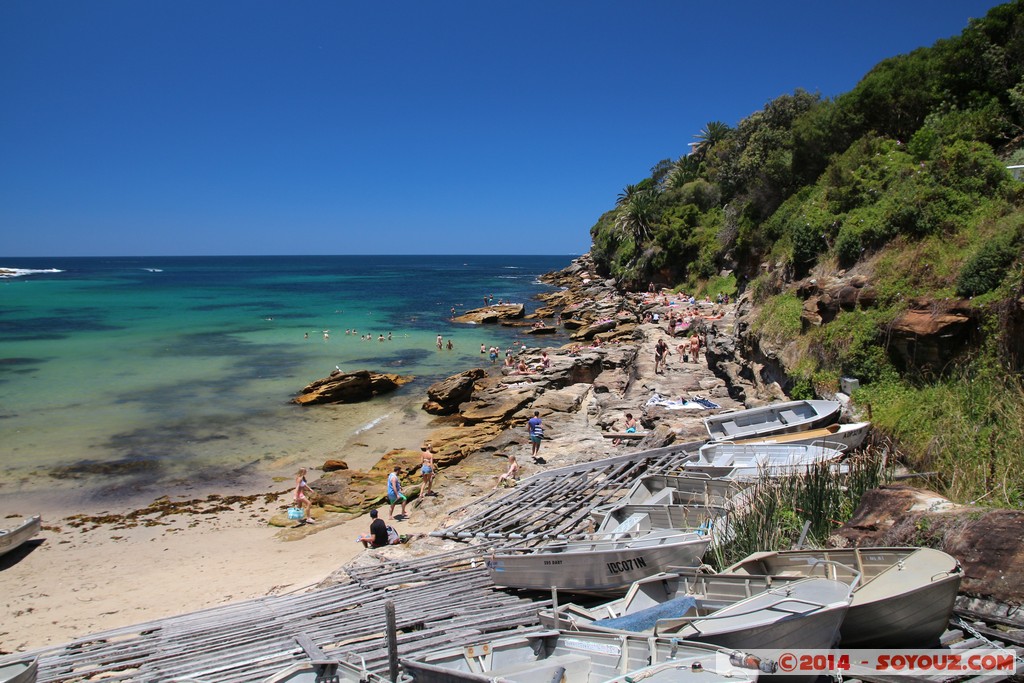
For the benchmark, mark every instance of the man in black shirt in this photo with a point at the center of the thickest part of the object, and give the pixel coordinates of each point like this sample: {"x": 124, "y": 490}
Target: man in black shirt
{"x": 378, "y": 536}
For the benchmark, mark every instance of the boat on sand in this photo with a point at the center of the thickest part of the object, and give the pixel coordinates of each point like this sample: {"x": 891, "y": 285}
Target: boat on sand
{"x": 583, "y": 658}
{"x": 734, "y": 612}
{"x": 607, "y": 562}
{"x": 19, "y": 671}
{"x": 14, "y": 537}
{"x": 903, "y": 598}
{"x": 775, "y": 418}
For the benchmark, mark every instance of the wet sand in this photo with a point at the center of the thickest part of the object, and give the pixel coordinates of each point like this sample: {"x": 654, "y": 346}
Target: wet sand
{"x": 109, "y": 566}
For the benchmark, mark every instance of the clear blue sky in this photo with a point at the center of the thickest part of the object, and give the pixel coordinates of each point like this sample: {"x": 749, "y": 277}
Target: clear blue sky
{"x": 161, "y": 127}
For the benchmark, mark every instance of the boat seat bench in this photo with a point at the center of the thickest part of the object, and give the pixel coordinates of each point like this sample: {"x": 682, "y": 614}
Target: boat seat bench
{"x": 573, "y": 664}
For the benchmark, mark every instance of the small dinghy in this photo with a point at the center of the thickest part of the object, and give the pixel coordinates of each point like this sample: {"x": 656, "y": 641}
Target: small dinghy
{"x": 583, "y": 658}
{"x": 13, "y": 538}
{"x": 19, "y": 671}
{"x": 597, "y": 562}
{"x": 331, "y": 670}
{"x": 847, "y": 437}
{"x": 903, "y": 599}
{"x": 751, "y": 461}
{"x": 681, "y": 490}
{"x": 762, "y": 613}
{"x": 776, "y": 418}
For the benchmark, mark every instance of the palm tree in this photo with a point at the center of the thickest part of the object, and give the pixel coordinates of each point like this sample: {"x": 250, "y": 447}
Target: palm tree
{"x": 636, "y": 213}
{"x": 710, "y": 135}
{"x": 627, "y": 194}
{"x": 685, "y": 169}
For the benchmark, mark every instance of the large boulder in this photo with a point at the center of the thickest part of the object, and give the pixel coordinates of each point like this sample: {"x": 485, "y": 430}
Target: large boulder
{"x": 444, "y": 397}
{"x": 498, "y": 405}
{"x": 349, "y": 387}
{"x": 492, "y": 314}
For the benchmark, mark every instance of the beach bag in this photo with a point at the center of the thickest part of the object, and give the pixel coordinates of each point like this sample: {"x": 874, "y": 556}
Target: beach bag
{"x": 538, "y": 432}
{"x": 295, "y": 513}
{"x": 393, "y": 536}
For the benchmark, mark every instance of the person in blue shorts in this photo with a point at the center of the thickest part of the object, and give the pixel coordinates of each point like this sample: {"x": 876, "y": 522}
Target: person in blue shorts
{"x": 536, "y": 431}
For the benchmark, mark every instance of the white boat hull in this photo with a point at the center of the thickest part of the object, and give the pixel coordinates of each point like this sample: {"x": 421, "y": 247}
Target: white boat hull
{"x": 13, "y": 538}
{"x": 601, "y": 564}
{"x": 776, "y": 418}
{"x": 904, "y": 596}
{"x": 577, "y": 658}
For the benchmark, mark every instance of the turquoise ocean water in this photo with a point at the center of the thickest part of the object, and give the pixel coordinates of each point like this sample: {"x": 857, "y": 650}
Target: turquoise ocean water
{"x": 125, "y": 377}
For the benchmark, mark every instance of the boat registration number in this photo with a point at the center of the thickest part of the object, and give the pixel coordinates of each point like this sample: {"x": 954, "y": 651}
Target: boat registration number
{"x": 626, "y": 565}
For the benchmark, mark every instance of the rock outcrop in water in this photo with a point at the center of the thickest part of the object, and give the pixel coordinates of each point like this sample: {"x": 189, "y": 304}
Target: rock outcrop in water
{"x": 349, "y": 387}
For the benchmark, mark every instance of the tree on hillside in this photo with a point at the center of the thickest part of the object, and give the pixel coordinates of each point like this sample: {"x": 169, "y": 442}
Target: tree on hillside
{"x": 636, "y": 216}
{"x": 710, "y": 135}
{"x": 627, "y": 194}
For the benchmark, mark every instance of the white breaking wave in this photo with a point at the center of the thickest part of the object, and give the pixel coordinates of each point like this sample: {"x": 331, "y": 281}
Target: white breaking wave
{"x": 153, "y": 270}
{"x": 372, "y": 423}
{"x": 19, "y": 272}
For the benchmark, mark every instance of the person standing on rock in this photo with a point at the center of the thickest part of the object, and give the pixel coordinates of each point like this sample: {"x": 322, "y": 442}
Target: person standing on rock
{"x": 395, "y": 492}
{"x": 660, "y": 351}
{"x": 536, "y": 431}
{"x": 694, "y": 347}
{"x": 427, "y": 470}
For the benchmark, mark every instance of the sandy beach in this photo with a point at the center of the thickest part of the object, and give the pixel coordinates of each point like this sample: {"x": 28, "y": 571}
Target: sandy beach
{"x": 99, "y": 569}
{"x": 71, "y": 582}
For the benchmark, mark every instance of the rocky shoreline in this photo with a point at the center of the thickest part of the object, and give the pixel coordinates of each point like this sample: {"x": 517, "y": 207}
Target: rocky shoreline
{"x": 605, "y": 371}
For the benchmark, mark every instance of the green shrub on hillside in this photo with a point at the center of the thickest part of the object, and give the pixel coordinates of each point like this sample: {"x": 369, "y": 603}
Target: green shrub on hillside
{"x": 988, "y": 266}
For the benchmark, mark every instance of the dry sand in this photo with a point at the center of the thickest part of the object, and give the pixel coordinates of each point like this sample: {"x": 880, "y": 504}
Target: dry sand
{"x": 71, "y": 582}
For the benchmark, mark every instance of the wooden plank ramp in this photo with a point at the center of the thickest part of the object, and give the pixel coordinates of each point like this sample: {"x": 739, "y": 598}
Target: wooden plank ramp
{"x": 558, "y": 502}
{"x": 249, "y": 641}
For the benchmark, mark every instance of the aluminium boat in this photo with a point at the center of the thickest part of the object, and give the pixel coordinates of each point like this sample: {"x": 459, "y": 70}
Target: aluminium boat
{"x": 600, "y": 562}
{"x": 730, "y": 611}
{"x": 13, "y": 538}
{"x": 582, "y": 658}
{"x": 903, "y": 597}
{"x": 775, "y": 418}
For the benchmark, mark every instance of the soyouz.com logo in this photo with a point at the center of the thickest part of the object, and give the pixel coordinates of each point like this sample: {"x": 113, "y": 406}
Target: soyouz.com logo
{"x": 978, "y": 662}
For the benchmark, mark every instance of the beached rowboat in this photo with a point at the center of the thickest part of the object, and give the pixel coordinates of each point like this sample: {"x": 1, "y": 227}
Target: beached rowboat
{"x": 903, "y": 599}
{"x": 847, "y": 436}
{"x": 633, "y": 517}
{"x": 681, "y": 490}
{"x": 582, "y": 658}
{"x": 750, "y": 461}
{"x": 776, "y": 418}
{"x": 12, "y": 538}
{"x": 734, "y": 612}
{"x": 329, "y": 670}
{"x": 19, "y": 671}
{"x": 598, "y": 562}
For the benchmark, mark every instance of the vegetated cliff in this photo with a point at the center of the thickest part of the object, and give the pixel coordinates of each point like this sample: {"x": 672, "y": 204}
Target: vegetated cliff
{"x": 877, "y": 235}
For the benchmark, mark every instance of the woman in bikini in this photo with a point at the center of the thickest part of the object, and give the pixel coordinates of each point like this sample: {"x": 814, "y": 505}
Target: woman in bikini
{"x": 427, "y": 470}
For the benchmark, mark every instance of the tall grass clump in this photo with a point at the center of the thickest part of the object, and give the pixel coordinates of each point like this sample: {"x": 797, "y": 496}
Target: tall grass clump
{"x": 968, "y": 428}
{"x": 770, "y": 515}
